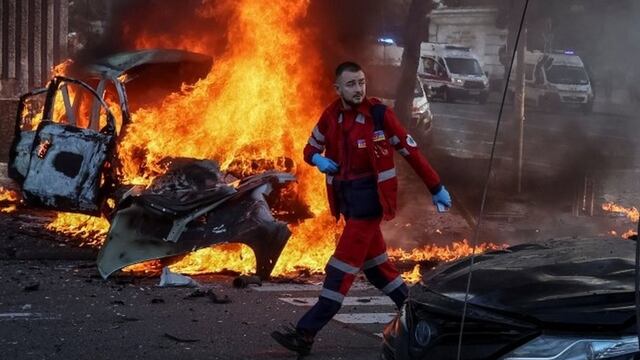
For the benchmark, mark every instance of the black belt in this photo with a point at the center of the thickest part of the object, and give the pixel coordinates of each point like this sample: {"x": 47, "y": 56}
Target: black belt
{"x": 358, "y": 198}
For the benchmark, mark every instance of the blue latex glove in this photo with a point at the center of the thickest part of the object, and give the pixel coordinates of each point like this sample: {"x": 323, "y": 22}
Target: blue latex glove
{"x": 324, "y": 164}
{"x": 442, "y": 197}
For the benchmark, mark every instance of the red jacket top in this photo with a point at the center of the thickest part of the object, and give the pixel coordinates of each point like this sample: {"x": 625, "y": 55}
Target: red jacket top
{"x": 348, "y": 145}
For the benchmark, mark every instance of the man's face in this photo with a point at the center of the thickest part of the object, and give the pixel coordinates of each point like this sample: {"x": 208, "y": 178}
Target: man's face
{"x": 351, "y": 87}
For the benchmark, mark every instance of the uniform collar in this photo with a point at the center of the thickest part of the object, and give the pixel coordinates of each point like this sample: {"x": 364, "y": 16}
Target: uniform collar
{"x": 363, "y": 110}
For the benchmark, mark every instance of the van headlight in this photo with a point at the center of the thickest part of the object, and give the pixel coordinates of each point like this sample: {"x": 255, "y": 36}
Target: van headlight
{"x": 547, "y": 347}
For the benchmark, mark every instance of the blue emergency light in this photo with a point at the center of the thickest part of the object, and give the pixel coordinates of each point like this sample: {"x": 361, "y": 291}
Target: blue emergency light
{"x": 388, "y": 41}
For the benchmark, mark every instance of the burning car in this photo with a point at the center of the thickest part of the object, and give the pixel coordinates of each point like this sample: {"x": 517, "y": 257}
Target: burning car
{"x": 560, "y": 299}
{"x": 64, "y": 157}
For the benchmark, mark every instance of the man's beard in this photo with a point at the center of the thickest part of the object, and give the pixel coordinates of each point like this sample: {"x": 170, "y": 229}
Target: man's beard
{"x": 353, "y": 104}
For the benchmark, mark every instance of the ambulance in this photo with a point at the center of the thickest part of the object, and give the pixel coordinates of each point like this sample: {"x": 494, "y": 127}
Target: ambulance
{"x": 452, "y": 72}
{"x": 556, "y": 78}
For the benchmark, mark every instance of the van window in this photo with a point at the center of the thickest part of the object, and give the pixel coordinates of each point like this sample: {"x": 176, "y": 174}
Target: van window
{"x": 569, "y": 75}
{"x": 432, "y": 67}
{"x": 464, "y": 66}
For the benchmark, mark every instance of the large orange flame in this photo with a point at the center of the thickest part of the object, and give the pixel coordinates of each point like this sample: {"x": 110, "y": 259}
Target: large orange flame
{"x": 258, "y": 102}
{"x": 631, "y": 213}
{"x": 457, "y": 250}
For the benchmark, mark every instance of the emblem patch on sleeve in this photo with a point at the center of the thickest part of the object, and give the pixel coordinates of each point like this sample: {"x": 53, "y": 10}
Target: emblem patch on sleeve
{"x": 378, "y": 135}
{"x": 411, "y": 142}
{"x": 362, "y": 144}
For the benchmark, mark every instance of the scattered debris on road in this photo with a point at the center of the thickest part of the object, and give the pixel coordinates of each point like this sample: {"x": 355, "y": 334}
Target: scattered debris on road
{"x": 244, "y": 281}
{"x": 171, "y": 279}
{"x": 181, "y": 340}
{"x": 33, "y": 286}
{"x": 224, "y": 299}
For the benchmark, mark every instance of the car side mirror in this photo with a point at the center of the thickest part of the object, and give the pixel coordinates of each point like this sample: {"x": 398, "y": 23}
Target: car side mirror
{"x": 486, "y": 73}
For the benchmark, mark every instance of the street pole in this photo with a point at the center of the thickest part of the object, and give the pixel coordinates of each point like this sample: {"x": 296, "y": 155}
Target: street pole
{"x": 519, "y": 104}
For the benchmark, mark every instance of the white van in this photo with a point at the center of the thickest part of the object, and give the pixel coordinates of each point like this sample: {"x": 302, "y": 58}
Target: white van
{"x": 452, "y": 72}
{"x": 556, "y": 78}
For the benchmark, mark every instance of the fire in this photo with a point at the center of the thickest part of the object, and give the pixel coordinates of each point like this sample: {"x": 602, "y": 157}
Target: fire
{"x": 91, "y": 229}
{"x": 413, "y": 276}
{"x": 631, "y": 213}
{"x": 238, "y": 257}
{"x": 62, "y": 68}
{"x": 435, "y": 253}
{"x": 457, "y": 250}
{"x": 259, "y": 101}
{"x": 8, "y": 200}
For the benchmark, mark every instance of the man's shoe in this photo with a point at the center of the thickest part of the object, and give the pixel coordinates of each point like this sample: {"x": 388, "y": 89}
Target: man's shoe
{"x": 293, "y": 340}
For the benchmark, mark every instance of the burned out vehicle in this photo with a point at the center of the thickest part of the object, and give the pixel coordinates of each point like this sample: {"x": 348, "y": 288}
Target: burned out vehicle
{"x": 64, "y": 157}
{"x": 561, "y": 299}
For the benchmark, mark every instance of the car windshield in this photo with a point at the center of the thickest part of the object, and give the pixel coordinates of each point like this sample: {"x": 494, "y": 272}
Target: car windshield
{"x": 568, "y": 75}
{"x": 463, "y": 66}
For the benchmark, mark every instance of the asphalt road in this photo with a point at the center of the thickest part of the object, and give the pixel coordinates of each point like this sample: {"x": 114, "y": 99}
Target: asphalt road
{"x": 552, "y": 136}
{"x": 63, "y": 310}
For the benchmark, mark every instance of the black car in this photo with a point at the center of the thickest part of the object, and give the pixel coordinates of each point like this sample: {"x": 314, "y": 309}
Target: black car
{"x": 560, "y": 299}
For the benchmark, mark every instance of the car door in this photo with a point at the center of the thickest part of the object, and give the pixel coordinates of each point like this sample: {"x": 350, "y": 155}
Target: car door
{"x": 63, "y": 148}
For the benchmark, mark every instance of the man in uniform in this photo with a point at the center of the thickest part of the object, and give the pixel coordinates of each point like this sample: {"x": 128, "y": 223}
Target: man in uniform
{"x": 357, "y": 136}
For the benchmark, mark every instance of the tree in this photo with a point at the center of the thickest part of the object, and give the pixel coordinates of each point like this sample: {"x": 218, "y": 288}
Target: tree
{"x": 415, "y": 32}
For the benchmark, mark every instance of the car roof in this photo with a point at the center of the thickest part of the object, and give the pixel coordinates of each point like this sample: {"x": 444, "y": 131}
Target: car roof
{"x": 446, "y": 50}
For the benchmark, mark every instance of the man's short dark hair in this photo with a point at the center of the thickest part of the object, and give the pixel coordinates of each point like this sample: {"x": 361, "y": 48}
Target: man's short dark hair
{"x": 347, "y": 66}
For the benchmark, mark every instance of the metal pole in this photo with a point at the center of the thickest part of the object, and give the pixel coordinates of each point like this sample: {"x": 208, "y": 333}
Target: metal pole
{"x": 519, "y": 104}
{"x": 22, "y": 71}
{"x": 36, "y": 44}
{"x": 11, "y": 39}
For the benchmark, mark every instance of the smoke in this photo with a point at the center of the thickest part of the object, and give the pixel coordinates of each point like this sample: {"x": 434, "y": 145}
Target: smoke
{"x": 575, "y": 152}
{"x": 344, "y": 29}
{"x": 336, "y": 30}
{"x": 172, "y": 25}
